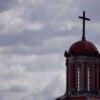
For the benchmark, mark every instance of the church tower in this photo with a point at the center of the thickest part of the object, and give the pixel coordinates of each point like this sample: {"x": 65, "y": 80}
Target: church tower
{"x": 82, "y": 70}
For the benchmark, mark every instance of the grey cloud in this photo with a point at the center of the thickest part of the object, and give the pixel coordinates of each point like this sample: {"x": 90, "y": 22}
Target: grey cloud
{"x": 17, "y": 86}
{"x": 28, "y": 37}
{"x": 28, "y": 64}
{"x": 16, "y": 89}
{"x": 7, "y": 4}
{"x": 51, "y": 91}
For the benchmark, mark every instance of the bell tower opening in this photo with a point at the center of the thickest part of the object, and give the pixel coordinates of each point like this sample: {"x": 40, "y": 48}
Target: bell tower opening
{"x": 78, "y": 77}
{"x": 89, "y": 73}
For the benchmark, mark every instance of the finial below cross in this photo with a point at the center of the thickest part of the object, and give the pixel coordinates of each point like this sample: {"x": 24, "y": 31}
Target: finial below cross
{"x": 84, "y": 18}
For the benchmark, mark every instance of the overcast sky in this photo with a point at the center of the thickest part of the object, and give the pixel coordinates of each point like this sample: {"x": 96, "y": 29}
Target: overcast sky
{"x": 33, "y": 37}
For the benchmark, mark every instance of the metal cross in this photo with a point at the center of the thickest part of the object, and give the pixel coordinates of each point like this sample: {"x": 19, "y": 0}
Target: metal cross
{"x": 84, "y": 18}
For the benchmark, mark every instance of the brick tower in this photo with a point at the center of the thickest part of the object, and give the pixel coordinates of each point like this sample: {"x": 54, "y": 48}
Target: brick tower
{"x": 82, "y": 70}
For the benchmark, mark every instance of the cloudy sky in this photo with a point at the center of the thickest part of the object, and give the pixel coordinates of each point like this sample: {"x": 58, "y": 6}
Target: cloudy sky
{"x": 33, "y": 37}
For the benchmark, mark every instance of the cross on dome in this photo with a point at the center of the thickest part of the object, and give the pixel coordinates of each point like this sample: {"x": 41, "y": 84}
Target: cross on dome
{"x": 84, "y": 18}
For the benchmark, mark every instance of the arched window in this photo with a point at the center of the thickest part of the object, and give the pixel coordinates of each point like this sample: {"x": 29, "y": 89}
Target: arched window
{"x": 89, "y": 77}
{"x": 78, "y": 77}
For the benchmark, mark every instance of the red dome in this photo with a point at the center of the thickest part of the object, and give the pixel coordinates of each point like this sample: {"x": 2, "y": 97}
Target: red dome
{"x": 83, "y": 47}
